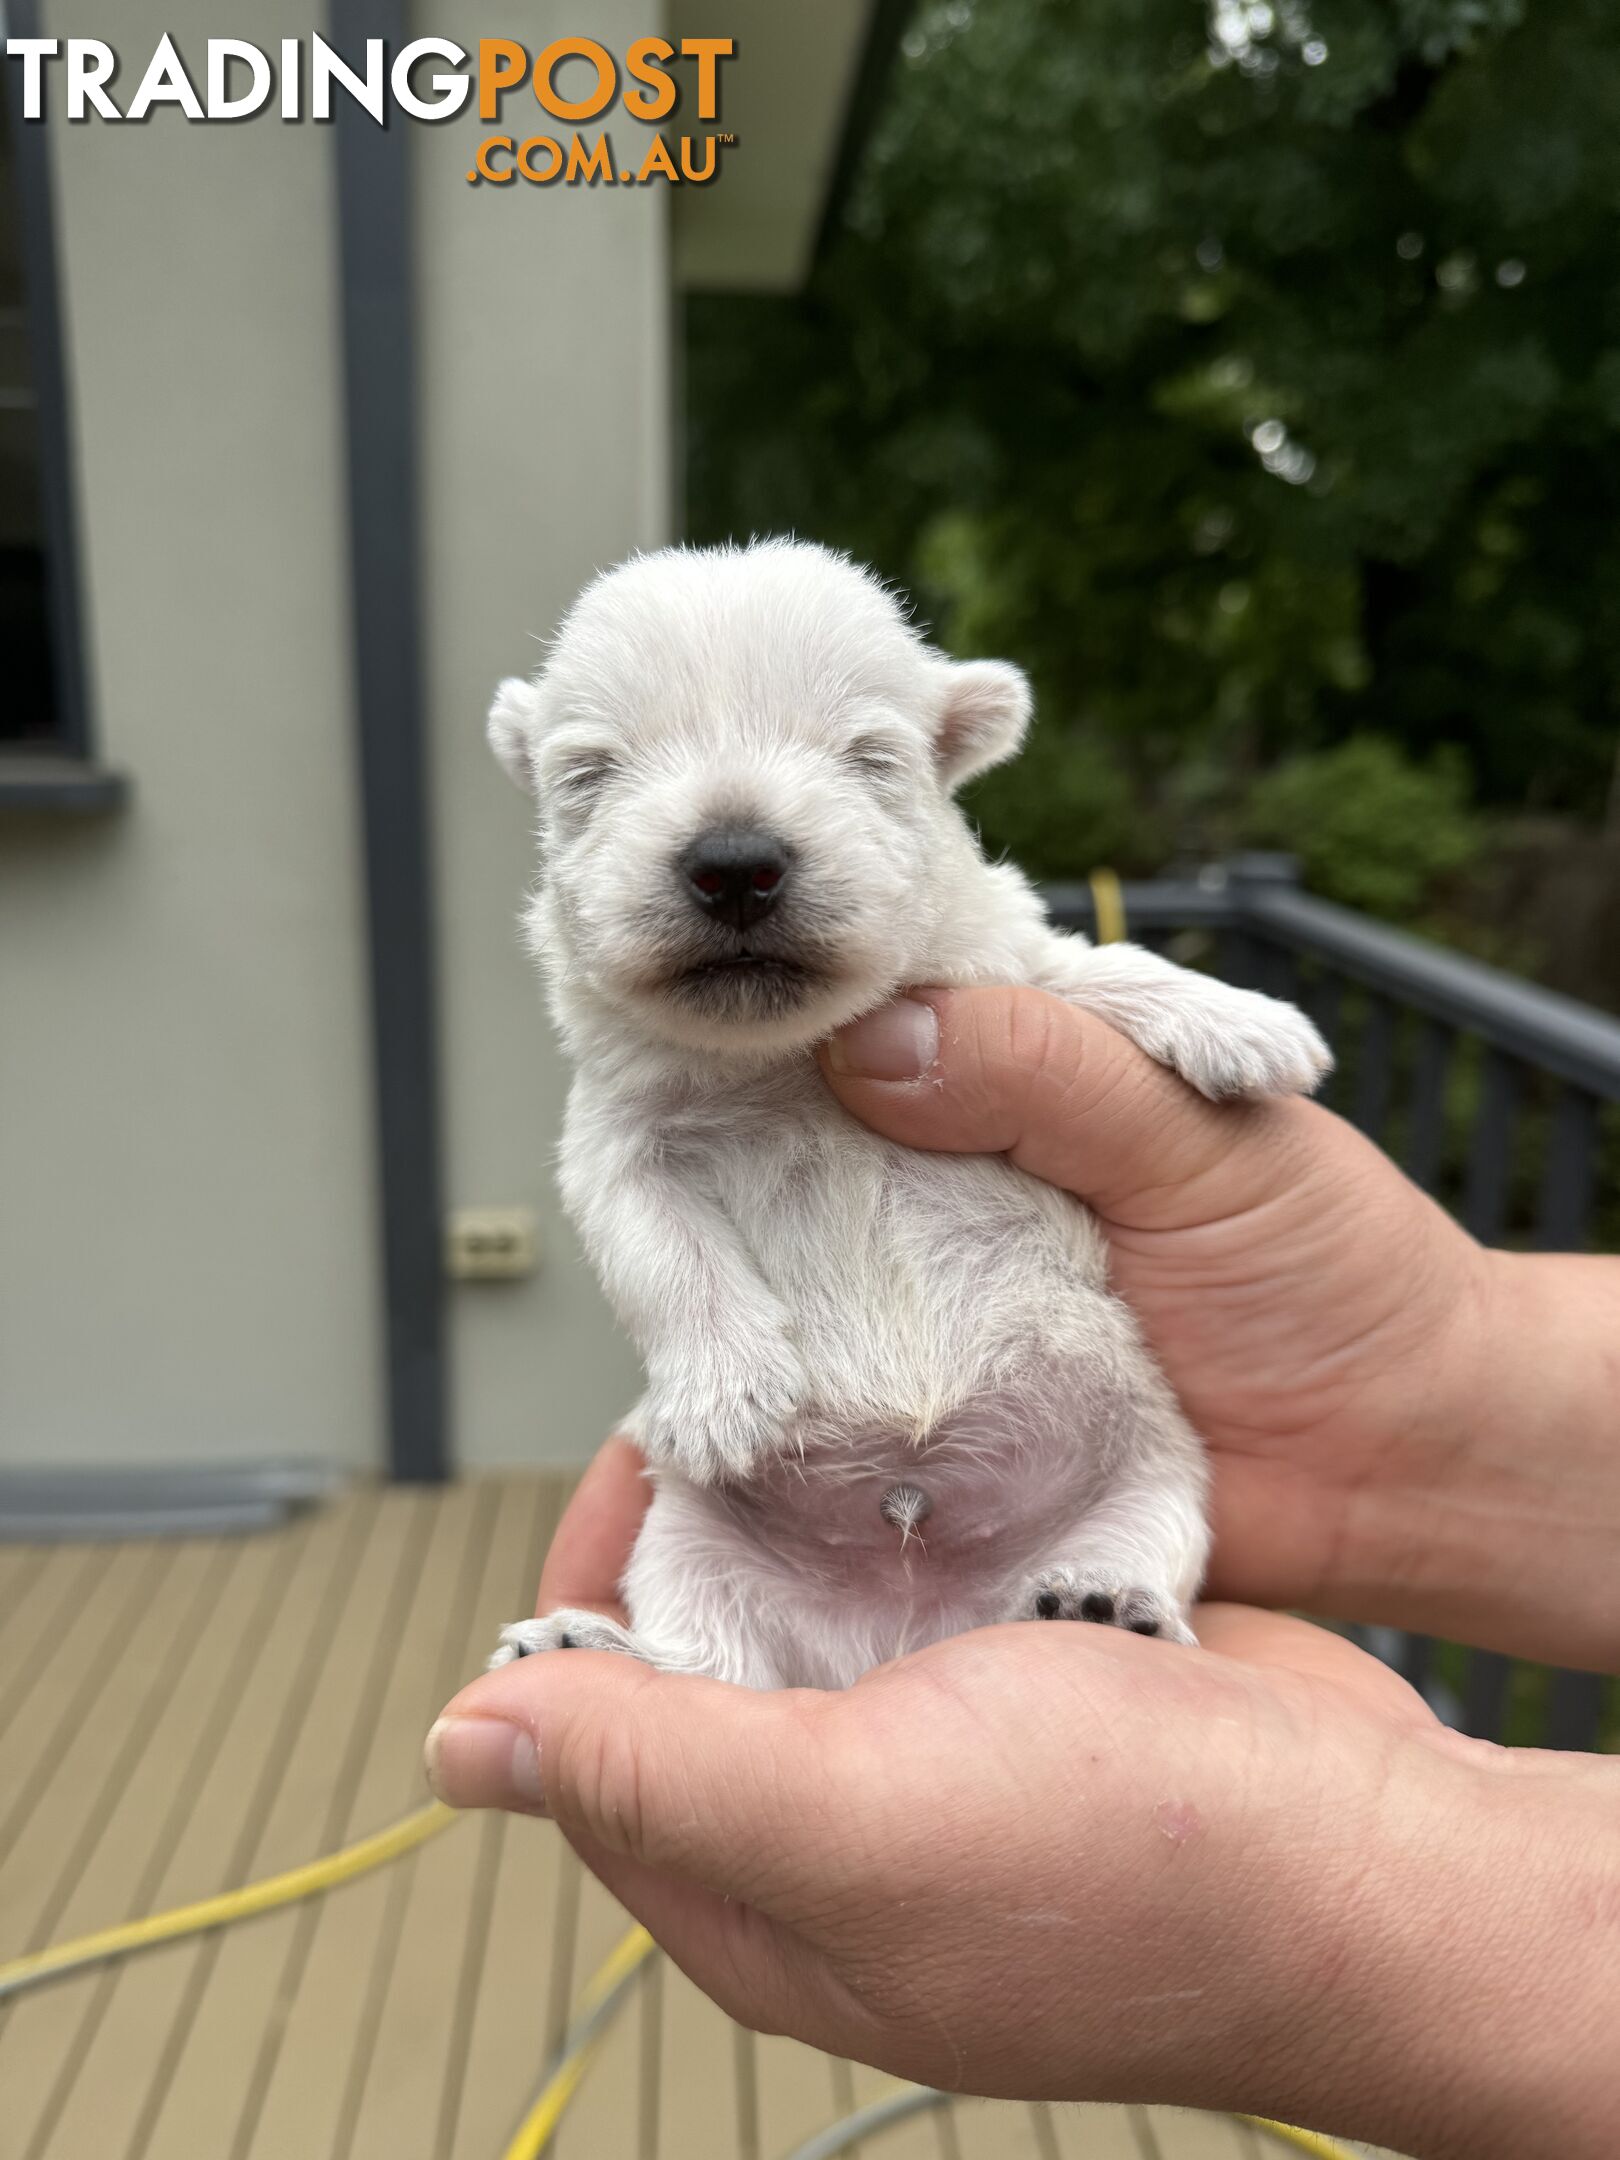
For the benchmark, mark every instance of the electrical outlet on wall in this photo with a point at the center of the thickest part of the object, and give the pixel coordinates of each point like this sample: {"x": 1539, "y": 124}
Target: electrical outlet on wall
{"x": 491, "y": 1244}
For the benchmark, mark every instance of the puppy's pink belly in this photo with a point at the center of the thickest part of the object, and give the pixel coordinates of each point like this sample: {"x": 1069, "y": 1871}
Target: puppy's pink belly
{"x": 848, "y": 1514}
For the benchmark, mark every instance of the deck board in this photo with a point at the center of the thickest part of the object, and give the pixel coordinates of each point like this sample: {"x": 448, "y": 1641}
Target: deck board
{"x": 34, "y": 1580}
{"x": 401, "y": 2106}
{"x": 605, "y": 2118}
{"x": 154, "y": 1997}
{"x": 296, "y": 2101}
{"x": 308, "y": 1780}
{"x": 74, "y": 1788}
{"x": 127, "y": 1844}
{"x": 72, "y": 1671}
{"x": 39, "y": 1605}
{"x": 178, "y": 1719}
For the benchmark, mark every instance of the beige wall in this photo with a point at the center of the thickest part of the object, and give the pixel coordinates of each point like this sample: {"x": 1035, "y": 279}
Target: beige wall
{"x": 186, "y": 1252}
{"x": 545, "y": 381}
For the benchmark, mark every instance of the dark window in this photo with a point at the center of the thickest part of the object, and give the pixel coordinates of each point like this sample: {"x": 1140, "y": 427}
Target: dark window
{"x": 27, "y": 705}
{"x": 42, "y": 702}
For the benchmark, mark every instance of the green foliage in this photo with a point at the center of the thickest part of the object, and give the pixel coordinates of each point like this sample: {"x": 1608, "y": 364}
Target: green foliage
{"x": 1250, "y": 375}
{"x": 1524, "y": 1716}
{"x": 1066, "y": 806}
{"x": 1372, "y": 827}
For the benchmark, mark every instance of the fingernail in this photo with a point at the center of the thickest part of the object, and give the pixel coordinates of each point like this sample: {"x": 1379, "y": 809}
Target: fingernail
{"x": 898, "y": 1042}
{"x": 476, "y": 1762}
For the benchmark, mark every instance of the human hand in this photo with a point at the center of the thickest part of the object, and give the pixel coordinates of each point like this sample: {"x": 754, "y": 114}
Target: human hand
{"x": 1058, "y": 1863}
{"x": 1402, "y": 1426}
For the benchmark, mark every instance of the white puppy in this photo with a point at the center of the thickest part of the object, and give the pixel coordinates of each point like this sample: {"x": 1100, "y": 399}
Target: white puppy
{"x": 890, "y": 1394}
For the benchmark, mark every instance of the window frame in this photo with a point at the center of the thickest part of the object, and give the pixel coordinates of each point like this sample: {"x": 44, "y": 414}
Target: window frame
{"x": 57, "y": 773}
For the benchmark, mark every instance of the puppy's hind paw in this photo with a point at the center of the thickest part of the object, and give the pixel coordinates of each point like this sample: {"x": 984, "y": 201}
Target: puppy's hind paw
{"x": 566, "y": 1630}
{"x": 1070, "y": 1594}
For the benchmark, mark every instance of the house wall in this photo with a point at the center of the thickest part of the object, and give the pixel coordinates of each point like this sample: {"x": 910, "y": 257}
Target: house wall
{"x": 188, "y": 1252}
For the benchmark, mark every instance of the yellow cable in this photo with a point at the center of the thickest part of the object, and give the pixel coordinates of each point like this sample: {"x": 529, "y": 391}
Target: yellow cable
{"x": 1306, "y": 2141}
{"x": 536, "y": 2128}
{"x": 1108, "y": 903}
{"x": 299, "y": 1882}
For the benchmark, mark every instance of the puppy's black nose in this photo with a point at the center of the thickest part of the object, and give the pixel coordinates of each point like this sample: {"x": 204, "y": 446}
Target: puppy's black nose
{"x": 734, "y": 875}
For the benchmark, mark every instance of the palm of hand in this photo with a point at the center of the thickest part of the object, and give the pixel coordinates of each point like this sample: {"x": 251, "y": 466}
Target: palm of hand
{"x": 960, "y": 1819}
{"x": 1310, "y": 1325}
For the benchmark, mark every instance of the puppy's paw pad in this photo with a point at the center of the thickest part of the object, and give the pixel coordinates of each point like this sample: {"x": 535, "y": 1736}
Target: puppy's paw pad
{"x": 1067, "y": 1595}
{"x": 558, "y": 1631}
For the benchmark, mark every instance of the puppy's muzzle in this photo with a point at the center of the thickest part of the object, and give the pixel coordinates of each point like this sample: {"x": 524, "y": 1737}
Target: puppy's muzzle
{"x": 734, "y": 875}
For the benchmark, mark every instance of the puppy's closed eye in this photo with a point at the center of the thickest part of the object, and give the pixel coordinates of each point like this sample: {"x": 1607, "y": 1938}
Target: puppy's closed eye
{"x": 879, "y": 758}
{"x": 582, "y": 775}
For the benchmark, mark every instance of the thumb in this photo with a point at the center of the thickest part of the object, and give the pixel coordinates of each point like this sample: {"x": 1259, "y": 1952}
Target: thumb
{"x": 683, "y": 1776}
{"x": 1022, "y": 1073}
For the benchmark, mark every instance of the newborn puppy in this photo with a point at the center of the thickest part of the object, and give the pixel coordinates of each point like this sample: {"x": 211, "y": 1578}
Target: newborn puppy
{"x": 890, "y": 1394}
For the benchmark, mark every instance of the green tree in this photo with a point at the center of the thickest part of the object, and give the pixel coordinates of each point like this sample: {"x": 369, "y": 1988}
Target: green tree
{"x": 1251, "y": 374}
{"x": 1370, "y": 826}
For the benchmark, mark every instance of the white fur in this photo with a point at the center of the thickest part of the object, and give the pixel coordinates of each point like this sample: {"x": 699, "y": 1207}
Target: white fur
{"x": 824, "y": 1315}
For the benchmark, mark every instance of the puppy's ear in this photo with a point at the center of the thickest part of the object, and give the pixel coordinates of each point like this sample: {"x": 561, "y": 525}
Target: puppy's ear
{"x": 513, "y": 726}
{"x": 983, "y": 717}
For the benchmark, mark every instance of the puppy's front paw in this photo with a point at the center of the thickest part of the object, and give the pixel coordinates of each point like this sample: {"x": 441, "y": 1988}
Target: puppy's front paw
{"x": 1240, "y": 1043}
{"x": 717, "y": 1427}
{"x": 565, "y": 1630}
{"x": 1065, "y": 1593}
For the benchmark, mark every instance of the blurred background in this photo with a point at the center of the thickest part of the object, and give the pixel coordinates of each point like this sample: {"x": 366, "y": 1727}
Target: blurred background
{"x": 1251, "y": 373}
{"x": 1248, "y": 370}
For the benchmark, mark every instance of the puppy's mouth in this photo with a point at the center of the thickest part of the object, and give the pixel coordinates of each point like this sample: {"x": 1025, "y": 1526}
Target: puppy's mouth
{"x": 743, "y": 967}
{"x": 745, "y": 984}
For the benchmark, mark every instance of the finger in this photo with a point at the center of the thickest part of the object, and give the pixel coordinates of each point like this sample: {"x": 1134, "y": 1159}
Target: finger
{"x": 759, "y": 1972}
{"x": 720, "y": 1786}
{"x": 588, "y": 1554}
{"x": 1022, "y": 1073}
{"x": 1281, "y": 1643}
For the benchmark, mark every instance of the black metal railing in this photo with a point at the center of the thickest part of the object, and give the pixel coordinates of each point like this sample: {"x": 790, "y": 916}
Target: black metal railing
{"x": 1501, "y": 1099}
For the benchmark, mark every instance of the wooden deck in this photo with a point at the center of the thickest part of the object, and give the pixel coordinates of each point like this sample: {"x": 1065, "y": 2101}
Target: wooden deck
{"x": 176, "y": 1719}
